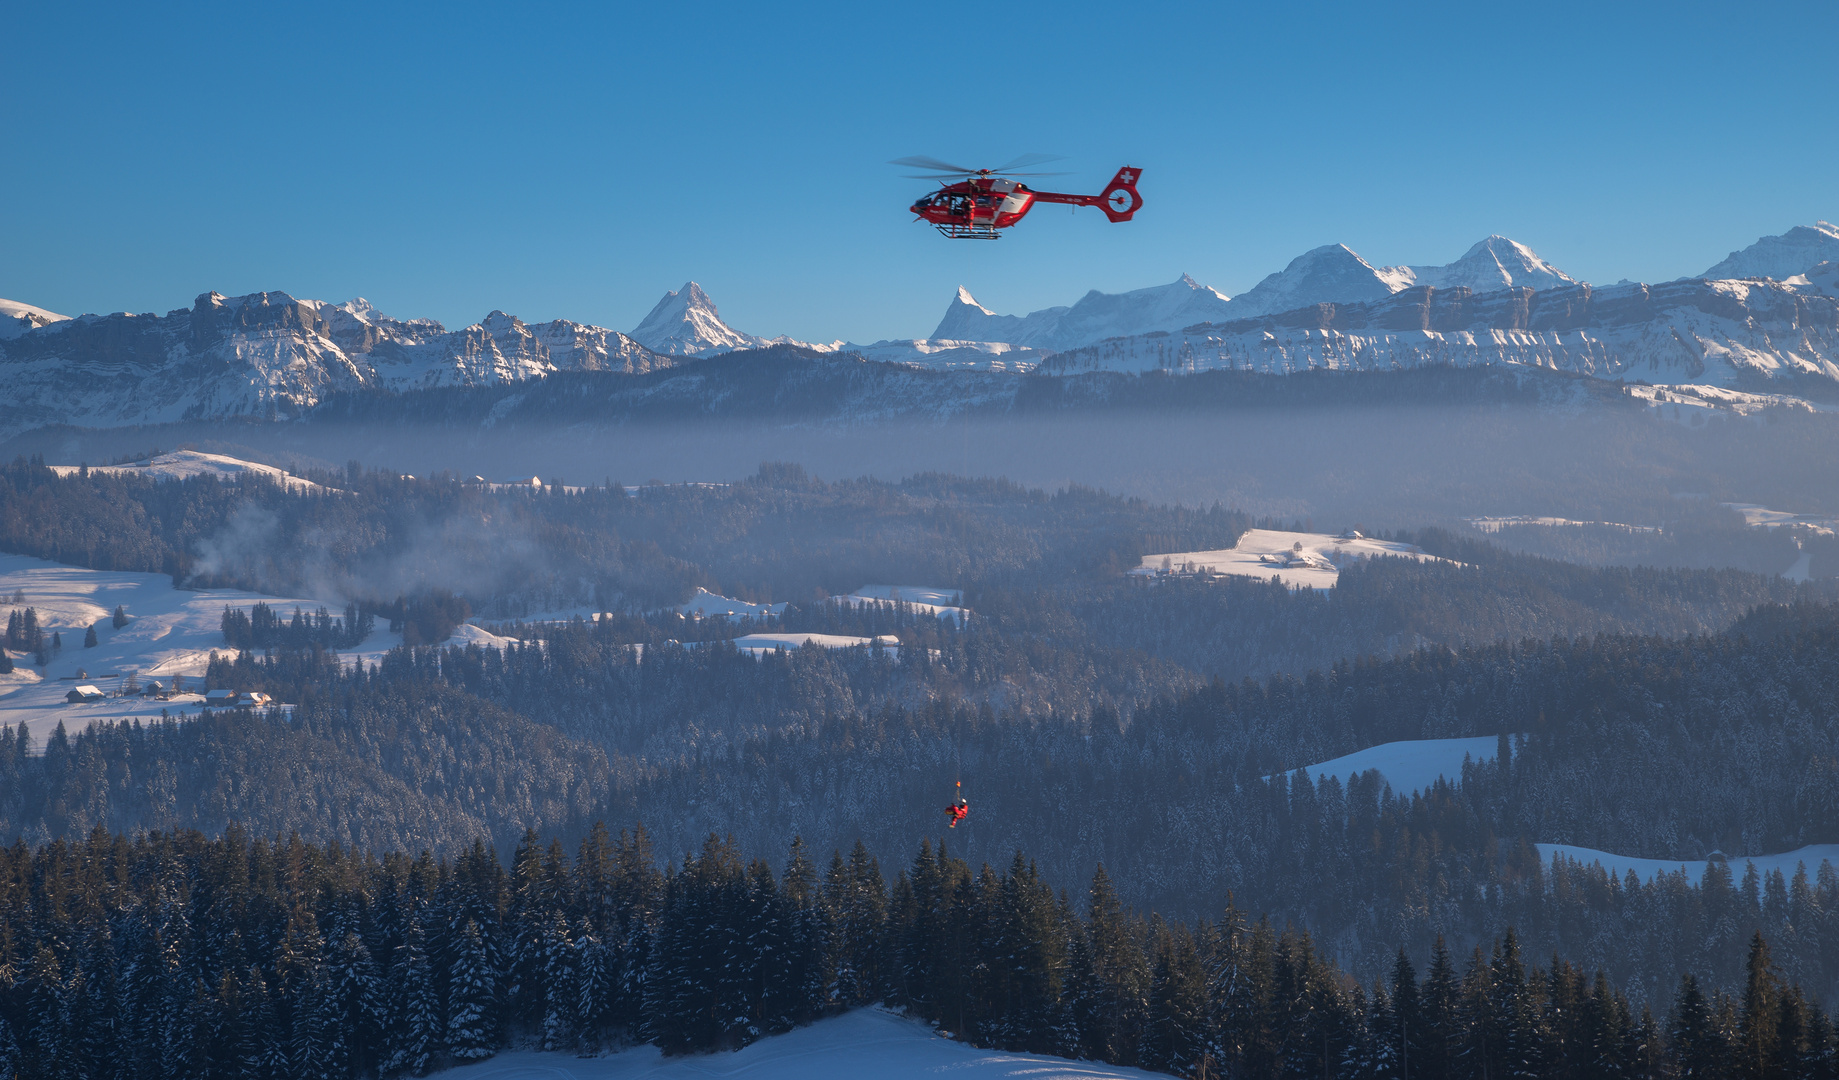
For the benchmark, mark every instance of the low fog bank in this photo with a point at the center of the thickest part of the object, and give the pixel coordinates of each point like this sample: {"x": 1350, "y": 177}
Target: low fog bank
{"x": 1381, "y": 467}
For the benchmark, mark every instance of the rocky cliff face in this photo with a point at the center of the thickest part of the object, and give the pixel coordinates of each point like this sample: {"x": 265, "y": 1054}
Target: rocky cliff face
{"x": 269, "y": 354}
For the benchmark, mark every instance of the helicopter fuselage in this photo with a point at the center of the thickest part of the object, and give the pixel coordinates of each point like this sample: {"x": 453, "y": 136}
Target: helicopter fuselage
{"x": 976, "y": 208}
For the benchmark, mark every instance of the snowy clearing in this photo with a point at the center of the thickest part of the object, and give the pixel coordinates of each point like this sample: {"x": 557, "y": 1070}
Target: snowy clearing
{"x": 861, "y": 1043}
{"x": 1761, "y": 517}
{"x": 922, "y": 599}
{"x": 761, "y": 644}
{"x": 1812, "y": 855}
{"x": 1408, "y": 765}
{"x": 184, "y": 464}
{"x": 170, "y": 632}
{"x": 1496, "y": 524}
{"x": 1299, "y": 560}
{"x": 706, "y": 604}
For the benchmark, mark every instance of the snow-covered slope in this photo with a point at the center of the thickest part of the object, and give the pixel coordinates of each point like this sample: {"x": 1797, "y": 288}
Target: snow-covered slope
{"x": 1781, "y": 257}
{"x": 920, "y": 599}
{"x": 170, "y": 632}
{"x": 1299, "y": 560}
{"x": 1786, "y": 862}
{"x": 16, "y": 318}
{"x": 1409, "y": 764}
{"x": 863, "y": 1044}
{"x": 270, "y": 354}
{"x": 184, "y": 464}
{"x": 714, "y": 605}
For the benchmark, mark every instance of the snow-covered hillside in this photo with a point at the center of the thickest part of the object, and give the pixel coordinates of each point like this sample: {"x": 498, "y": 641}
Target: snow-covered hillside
{"x": 1786, "y": 862}
{"x": 184, "y": 464}
{"x": 1781, "y": 257}
{"x": 706, "y": 604}
{"x": 1409, "y": 764}
{"x": 920, "y": 599}
{"x": 270, "y": 354}
{"x": 761, "y": 644}
{"x": 1299, "y": 560}
{"x": 169, "y": 632}
{"x": 869, "y": 1044}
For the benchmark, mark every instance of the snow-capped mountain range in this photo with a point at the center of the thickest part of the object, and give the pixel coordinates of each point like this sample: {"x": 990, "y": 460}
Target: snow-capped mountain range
{"x": 1764, "y": 320}
{"x": 1332, "y": 274}
{"x": 269, "y": 354}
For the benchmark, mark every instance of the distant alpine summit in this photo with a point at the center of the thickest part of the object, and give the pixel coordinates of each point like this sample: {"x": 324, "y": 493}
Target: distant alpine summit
{"x": 685, "y": 323}
{"x": 1794, "y": 252}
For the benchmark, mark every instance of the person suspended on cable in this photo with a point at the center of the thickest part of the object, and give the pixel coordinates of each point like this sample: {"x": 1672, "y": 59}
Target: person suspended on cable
{"x": 957, "y": 809}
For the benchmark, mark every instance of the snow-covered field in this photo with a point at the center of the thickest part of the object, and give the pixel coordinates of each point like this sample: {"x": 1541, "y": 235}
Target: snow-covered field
{"x": 1496, "y": 524}
{"x": 170, "y": 632}
{"x": 1762, "y": 517}
{"x": 707, "y": 604}
{"x": 1299, "y": 560}
{"x": 1409, "y": 764}
{"x": 923, "y": 599}
{"x": 182, "y": 464}
{"x": 872, "y": 1044}
{"x": 1619, "y": 865}
{"x": 761, "y": 644}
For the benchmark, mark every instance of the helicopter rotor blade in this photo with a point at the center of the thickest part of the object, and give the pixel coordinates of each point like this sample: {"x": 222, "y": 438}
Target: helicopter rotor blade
{"x": 923, "y": 162}
{"x": 1026, "y": 160}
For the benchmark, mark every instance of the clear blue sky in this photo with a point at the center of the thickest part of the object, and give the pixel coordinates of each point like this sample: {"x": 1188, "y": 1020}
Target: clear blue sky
{"x": 578, "y": 160}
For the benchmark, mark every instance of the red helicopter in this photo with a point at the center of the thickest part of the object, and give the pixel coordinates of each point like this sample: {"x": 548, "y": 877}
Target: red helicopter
{"x": 988, "y": 200}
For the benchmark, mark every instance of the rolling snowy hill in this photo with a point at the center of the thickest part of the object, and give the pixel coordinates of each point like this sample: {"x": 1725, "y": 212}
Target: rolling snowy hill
{"x": 866, "y": 1043}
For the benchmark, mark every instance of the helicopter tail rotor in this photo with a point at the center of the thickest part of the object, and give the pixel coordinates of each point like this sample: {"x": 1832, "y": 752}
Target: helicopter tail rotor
{"x": 1120, "y": 198}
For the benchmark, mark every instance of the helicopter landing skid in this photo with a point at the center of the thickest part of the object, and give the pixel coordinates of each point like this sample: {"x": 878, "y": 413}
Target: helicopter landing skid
{"x": 969, "y": 232}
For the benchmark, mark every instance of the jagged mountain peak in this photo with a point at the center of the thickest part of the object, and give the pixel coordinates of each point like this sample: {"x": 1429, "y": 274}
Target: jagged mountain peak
{"x": 1781, "y": 257}
{"x": 685, "y": 323}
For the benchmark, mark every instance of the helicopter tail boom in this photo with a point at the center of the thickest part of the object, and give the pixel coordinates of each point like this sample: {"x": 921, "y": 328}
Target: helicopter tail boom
{"x": 1119, "y": 200}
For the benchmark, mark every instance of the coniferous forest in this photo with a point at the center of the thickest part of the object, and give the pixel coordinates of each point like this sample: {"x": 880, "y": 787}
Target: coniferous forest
{"x": 176, "y": 955}
{"x": 243, "y": 891}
